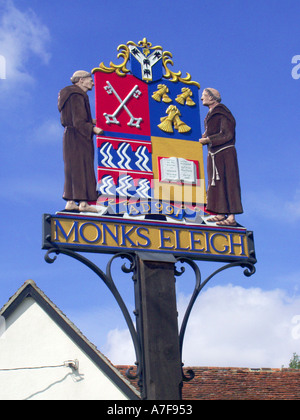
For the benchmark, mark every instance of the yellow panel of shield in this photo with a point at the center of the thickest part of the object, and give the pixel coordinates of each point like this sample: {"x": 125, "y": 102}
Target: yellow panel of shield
{"x": 178, "y": 171}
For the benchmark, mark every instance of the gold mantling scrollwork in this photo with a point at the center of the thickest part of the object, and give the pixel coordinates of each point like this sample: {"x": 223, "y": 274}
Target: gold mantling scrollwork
{"x": 176, "y": 77}
{"x": 122, "y": 70}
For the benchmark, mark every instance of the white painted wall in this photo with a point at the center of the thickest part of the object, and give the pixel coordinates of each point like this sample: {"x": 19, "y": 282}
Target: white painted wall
{"x": 32, "y": 339}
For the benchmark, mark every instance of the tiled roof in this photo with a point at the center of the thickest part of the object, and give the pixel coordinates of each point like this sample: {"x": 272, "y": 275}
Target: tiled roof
{"x": 228, "y": 383}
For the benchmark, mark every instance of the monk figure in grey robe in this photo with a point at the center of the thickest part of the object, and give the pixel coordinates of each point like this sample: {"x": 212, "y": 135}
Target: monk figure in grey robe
{"x": 78, "y": 146}
{"x": 224, "y": 191}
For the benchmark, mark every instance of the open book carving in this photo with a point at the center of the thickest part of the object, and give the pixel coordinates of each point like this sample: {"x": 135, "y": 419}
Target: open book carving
{"x": 175, "y": 169}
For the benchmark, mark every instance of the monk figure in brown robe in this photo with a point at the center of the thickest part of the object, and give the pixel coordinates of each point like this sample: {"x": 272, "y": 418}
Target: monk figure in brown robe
{"x": 78, "y": 146}
{"x": 223, "y": 192}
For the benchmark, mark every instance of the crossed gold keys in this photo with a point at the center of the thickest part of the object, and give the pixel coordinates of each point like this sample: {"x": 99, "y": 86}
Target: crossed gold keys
{"x": 173, "y": 112}
{"x": 161, "y": 94}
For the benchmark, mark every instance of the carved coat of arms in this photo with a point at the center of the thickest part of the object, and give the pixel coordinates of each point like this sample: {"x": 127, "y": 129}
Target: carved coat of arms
{"x": 150, "y": 160}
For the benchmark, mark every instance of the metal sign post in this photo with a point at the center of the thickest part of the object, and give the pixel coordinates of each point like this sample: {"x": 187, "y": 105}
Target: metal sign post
{"x": 158, "y": 323}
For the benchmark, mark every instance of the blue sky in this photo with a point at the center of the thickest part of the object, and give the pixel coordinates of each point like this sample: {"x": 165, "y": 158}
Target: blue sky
{"x": 242, "y": 48}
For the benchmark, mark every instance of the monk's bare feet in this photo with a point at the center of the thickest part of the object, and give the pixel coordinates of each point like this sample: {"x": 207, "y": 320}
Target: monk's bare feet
{"x": 85, "y": 207}
{"x": 71, "y": 205}
{"x": 230, "y": 221}
{"x": 217, "y": 218}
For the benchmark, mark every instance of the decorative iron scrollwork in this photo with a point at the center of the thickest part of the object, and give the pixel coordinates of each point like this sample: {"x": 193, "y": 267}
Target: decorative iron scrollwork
{"x": 132, "y": 268}
{"x": 109, "y": 282}
{"x": 249, "y": 271}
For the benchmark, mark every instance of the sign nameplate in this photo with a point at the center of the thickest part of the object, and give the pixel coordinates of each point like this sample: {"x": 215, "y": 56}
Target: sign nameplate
{"x": 113, "y": 234}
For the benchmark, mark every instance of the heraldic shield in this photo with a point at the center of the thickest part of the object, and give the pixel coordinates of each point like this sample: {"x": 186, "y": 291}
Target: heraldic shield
{"x": 150, "y": 160}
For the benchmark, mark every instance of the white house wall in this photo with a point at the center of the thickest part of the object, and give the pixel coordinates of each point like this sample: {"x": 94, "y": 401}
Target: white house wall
{"x": 33, "y": 340}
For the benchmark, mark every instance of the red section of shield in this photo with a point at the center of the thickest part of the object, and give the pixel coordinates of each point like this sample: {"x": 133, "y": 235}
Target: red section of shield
{"x": 122, "y": 104}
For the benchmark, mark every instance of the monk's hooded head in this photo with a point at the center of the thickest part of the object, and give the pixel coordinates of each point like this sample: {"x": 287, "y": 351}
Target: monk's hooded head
{"x": 83, "y": 79}
{"x": 209, "y": 96}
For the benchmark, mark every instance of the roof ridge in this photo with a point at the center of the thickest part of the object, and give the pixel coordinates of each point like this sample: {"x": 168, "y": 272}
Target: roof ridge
{"x": 16, "y": 294}
{"x": 32, "y": 284}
